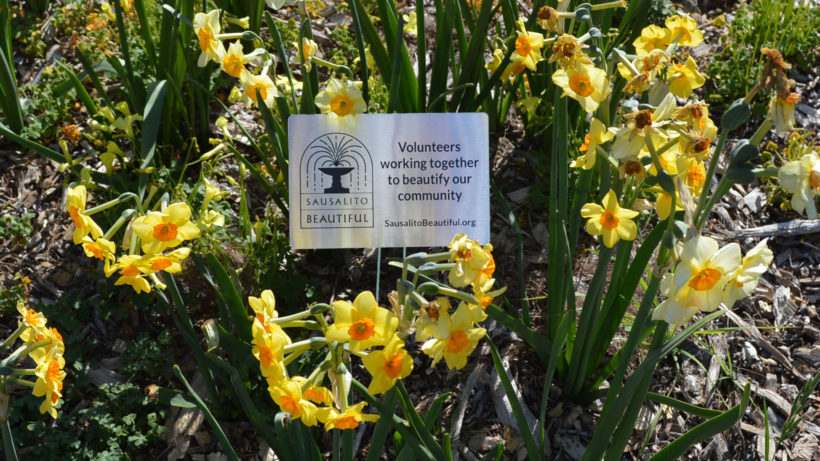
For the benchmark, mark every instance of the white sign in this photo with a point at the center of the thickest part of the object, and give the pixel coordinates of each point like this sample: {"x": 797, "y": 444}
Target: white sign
{"x": 393, "y": 180}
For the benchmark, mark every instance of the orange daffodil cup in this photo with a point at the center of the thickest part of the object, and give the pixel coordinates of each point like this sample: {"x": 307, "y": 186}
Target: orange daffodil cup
{"x": 378, "y": 336}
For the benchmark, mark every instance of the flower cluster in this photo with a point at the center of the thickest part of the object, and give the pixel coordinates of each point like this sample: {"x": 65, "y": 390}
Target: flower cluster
{"x": 159, "y": 232}
{"x": 707, "y": 275}
{"x": 375, "y": 334}
{"x": 44, "y": 345}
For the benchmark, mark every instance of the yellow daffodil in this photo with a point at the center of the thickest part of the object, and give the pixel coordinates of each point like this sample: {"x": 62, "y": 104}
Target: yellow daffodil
{"x": 170, "y": 262}
{"x": 206, "y": 28}
{"x": 308, "y": 50}
{"x": 101, "y": 248}
{"x": 131, "y": 270}
{"x": 342, "y": 100}
{"x": 318, "y": 394}
{"x": 698, "y": 281}
{"x": 209, "y": 219}
{"x": 454, "y": 338}
{"x": 586, "y": 84}
{"x": 568, "y": 52}
{"x": 31, "y": 318}
{"x": 233, "y": 63}
{"x": 631, "y": 139}
{"x": 692, "y": 173}
{"x": 83, "y": 225}
{"x": 348, "y": 419}
{"x": 159, "y": 230}
{"x": 363, "y": 324}
{"x": 801, "y": 178}
{"x": 49, "y": 382}
{"x": 527, "y": 47}
{"x": 652, "y": 38}
{"x": 269, "y": 349}
{"x": 288, "y": 395}
{"x": 684, "y": 31}
{"x": 598, "y": 134}
{"x": 781, "y": 112}
{"x": 684, "y": 78}
{"x": 665, "y": 203}
{"x": 610, "y": 220}
{"x": 411, "y": 23}
{"x": 387, "y": 366}
{"x": 430, "y": 314}
{"x": 744, "y": 281}
{"x": 470, "y": 259}
{"x": 263, "y": 84}
{"x": 264, "y": 306}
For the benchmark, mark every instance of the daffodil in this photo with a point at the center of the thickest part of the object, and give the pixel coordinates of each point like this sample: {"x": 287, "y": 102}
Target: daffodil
{"x": 363, "y": 324}
{"x": 527, "y": 47}
{"x": 429, "y": 315}
{"x": 348, "y": 419}
{"x": 264, "y": 85}
{"x": 684, "y": 30}
{"x": 50, "y": 333}
{"x": 209, "y": 219}
{"x": 49, "y": 382}
{"x": 684, "y": 78}
{"x": 692, "y": 173}
{"x": 233, "y": 63}
{"x": 568, "y": 52}
{"x": 342, "y": 100}
{"x": 318, "y": 394}
{"x": 454, "y": 338}
{"x": 83, "y": 225}
{"x": 781, "y": 112}
{"x": 586, "y": 84}
{"x": 470, "y": 259}
{"x": 101, "y": 248}
{"x": 31, "y": 318}
{"x": 631, "y": 139}
{"x": 206, "y": 28}
{"x": 288, "y": 395}
{"x": 610, "y": 220}
{"x": 269, "y": 350}
{"x": 131, "y": 270}
{"x": 744, "y": 281}
{"x": 306, "y": 50}
{"x": 170, "y": 262}
{"x": 411, "y": 23}
{"x": 598, "y": 134}
{"x": 801, "y": 178}
{"x": 159, "y": 230}
{"x": 652, "y": 37}
{"x": 387, "y": 366}
{"x": 698, "y": 281}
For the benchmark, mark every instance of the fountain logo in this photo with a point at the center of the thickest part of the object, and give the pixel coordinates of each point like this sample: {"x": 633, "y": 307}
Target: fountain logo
{"x": 336, "y": 187}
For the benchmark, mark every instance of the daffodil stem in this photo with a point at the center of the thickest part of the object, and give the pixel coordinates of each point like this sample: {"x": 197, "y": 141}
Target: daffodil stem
{"x": 436, "y": 257}
{"x": 721, "y": 190}
{"x": 23, "y": 350}
{"x": 304, "y": 344}
{"x": 22, "y": 382}
{"x": 603, "y": 6}
{"x": 655, "y": 157}
{"x": 707, "y": 183}
{"x": 23, "y": 371}
{"x": 8, "y": 441}
{"x": 122, "y": 198}
{"x": 124, "y": 217}
{"x": 765, "y": 172}
{"x": 761, "y": 131}
{"x": 332, "y": 66}
{"x": 289, "y": 318}
{"x": 10, "y": 340}
{"x": 229, "y": 36}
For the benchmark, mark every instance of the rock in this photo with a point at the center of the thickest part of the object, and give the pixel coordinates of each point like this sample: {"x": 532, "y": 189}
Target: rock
{"x": 755, "y": 200}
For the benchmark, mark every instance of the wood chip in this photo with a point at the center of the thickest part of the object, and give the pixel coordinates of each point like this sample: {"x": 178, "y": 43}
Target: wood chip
{"x": 752, "y": 332}
{"x": 796, "y": 227}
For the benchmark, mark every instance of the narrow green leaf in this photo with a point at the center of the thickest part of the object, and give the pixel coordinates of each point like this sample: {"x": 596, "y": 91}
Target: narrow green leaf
{"x": 533, "y": 452}
{"x": 220, "y": 434}
{"x": 145, "y": 33}
{"x": 441, "y": 54}
{"x": 92, "y": 74}
{"x": 538, "y": 343}
{"x": 12, "y": 110}
{"x": 682, "y": 406}
{"x": 80, "y": 90}
{"x": 704, "y": 431}
{"x": 382, "y": 428}
{"x": 229, "y": 292}
{"x": 35, "y": 146}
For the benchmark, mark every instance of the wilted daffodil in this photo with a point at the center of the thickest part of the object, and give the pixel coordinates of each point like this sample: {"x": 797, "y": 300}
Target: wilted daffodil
{"x": 781, "y": 112}
{"x": 159, "y": 230}
{"x": 363, "y": 324}
{"x": 527, "y": 47}
{"x": 342, "y": 100}
{"x": 598, "y": 134}
{"x": 801, "y": 178}
{"x": 83, "y": 225}
{"x": 206, "y": 27}
{"x": 610, "y": 220}
{"x": 745, "y": 280}
{"x": 470, "y": 259}
{"x": 387, "y": 366}
{"x": 454, "y": 338}
{"x": 586, "y": 84}
{"x": 698, "y": 281}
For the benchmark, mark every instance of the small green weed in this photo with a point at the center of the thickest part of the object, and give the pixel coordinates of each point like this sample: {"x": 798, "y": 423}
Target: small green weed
{"x": 16, "y": 227}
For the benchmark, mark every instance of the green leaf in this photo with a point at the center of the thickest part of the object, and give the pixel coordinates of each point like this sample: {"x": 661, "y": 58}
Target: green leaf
{"x": 382, "y": 428}
{"x": 683, "y": 406}
{"x": 35, "y": 146}
{"x": 704, "y": 431}
{"x": 441, "y": 54}
{"x": 229, "y": 292}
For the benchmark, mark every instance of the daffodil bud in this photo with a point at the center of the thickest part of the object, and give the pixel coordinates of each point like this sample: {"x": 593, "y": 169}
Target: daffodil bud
{"x": 741, "y": 174}
{"x": 743, "y": 152}
{"x": 736, "y": 115}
